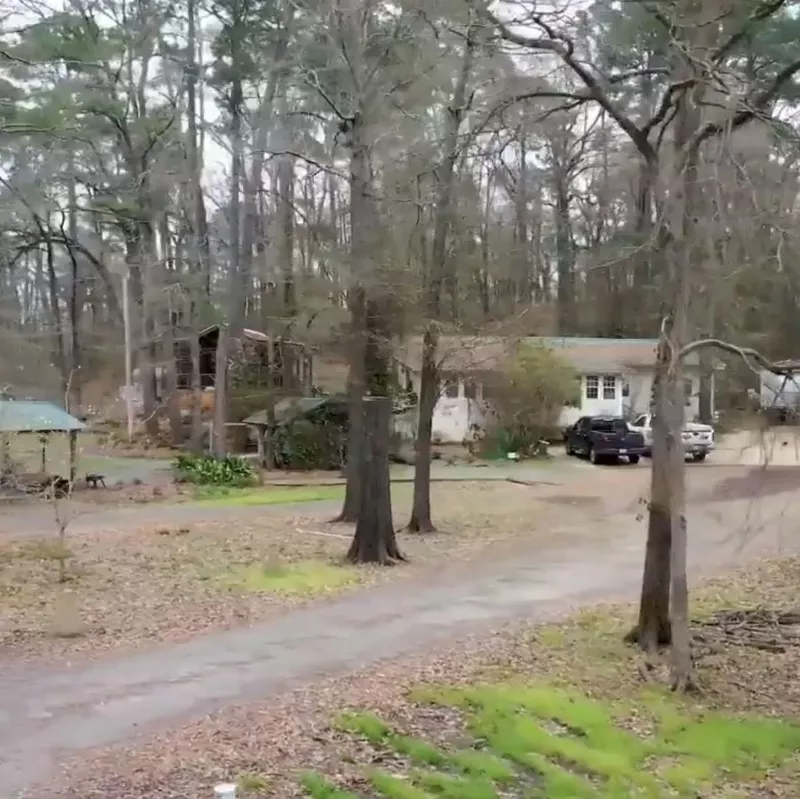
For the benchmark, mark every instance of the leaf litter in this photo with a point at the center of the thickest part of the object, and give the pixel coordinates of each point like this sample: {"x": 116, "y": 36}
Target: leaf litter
{"x": 134, "y": 588}
{"x": 274, "y": 740}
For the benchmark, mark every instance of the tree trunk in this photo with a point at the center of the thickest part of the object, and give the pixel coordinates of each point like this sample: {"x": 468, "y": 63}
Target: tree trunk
{"x": 363, "y": 251}
{"x": 565, "y": 257}
{"x": 374, "y": 540}
{"x": 356, "y": 442}
{"x": 198, "y": 233}
{"x": 524, "y": 292}
{"x": 75, "y": 294}
{"x": 705, "y": 400}
{"x": 148, "y": 265}
{"x": 687, "y": 122}
{"x": 220, "y": 443}
{"x": 420, "y": 521}
{"x": 235, "y": 322}
{"x": 196, "y": 440}
{"x": 653, "y": 628}
{"x": 421, "y": 510}
{"x": 286, "y": 225}
{"x": 55, "y": 310}
{"x": 171, "y": 399}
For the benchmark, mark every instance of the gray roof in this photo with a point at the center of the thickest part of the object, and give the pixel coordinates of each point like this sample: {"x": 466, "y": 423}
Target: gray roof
{"x": 28, "y": 416}
{"x": 289, "y": 409}
{"x": 587, "y": 355}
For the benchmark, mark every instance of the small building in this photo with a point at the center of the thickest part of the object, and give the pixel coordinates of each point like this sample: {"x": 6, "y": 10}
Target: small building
{"x": 616, "y": 378}
{"x": 262, "y": 360}
{"x": 36, "y": 422}
{"x": 257, "y": 361}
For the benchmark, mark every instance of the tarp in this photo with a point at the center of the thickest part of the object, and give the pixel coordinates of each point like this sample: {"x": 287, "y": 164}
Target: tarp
{"x": 27, "y": 416}
{"x": 291, "y": 409}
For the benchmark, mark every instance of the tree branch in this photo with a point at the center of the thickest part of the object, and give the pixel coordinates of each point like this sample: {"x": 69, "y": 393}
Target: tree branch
{"x": 753, "y": 108}
{"x": 747, "y": 354}
{"x": 765, "y": 10}
{"x": 563, "y": 47}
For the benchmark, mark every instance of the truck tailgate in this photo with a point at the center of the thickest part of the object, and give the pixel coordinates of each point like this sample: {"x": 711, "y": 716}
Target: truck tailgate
{"x": 617, "y": 439}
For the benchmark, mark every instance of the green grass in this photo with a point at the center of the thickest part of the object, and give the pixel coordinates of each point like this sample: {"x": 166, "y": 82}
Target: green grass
{"x": 304, "y": 578}
{"x": 250, "y": 783}
{"x": 219, "y": 497}
{"x": 555, "y": 743}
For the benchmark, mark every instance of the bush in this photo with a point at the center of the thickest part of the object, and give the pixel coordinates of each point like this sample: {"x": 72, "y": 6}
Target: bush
{"x": 305, "y": 445}
{"x": 528, "y": 395}
{"x": 208, "y": 470}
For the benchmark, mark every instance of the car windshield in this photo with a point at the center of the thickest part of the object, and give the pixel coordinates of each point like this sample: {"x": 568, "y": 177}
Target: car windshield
{"x": 609, "y": 425}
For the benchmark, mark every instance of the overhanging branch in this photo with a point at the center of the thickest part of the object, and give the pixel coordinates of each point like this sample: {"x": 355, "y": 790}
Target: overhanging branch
{"x": 563, "y": 47}
{"x": 752, "y": 107}
{"x": 747, "y": 354}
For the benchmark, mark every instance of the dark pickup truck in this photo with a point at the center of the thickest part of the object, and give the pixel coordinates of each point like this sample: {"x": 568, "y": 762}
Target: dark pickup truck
{"x": 604, "y": 439}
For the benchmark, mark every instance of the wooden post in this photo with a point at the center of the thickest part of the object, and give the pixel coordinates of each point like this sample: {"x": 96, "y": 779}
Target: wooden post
{"x": 73, "y": 456}
{"x": 5, "y": 446}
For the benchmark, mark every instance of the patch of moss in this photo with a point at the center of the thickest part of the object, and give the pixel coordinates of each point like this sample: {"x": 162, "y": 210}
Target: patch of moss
{"x": 304, "y": 578}
{"x": 224, "y": 497}
{"x": 557, "y": 743}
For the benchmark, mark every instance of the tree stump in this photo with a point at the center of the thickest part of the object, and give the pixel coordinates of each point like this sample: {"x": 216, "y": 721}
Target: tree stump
{"x": 374, "y": 540}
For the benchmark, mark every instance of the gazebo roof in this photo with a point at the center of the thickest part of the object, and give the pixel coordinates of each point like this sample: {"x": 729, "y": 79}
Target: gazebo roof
{"x": 28, "y": 416}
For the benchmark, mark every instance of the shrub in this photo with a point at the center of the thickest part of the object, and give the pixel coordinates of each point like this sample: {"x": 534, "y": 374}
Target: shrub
{"x": 305, "y": 445}
{"x": 208, "y": 470}
{"x": 528, "y": 395}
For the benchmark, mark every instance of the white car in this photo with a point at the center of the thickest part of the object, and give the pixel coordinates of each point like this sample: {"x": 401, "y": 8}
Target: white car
{"x": 698, "y": 439}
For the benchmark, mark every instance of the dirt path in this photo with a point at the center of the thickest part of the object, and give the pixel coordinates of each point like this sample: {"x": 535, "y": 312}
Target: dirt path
{"x": 47, "y": 715}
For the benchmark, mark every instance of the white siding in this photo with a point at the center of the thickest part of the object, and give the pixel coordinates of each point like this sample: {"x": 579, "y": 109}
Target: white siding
{"x": 455, "y": 417}
{"x": 601, "y": 395}
{"x": 641, "y": 384}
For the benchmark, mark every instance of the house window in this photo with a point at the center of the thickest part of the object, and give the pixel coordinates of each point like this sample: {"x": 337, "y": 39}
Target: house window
{"x": 470, "y": 389}
{"x": 626, "y": 389}
{"x": 592, "y": 387}
{"x": 609, "y": 387}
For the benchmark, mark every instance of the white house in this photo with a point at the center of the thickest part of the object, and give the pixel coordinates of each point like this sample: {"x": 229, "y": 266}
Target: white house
{"x": 616, "y": 378}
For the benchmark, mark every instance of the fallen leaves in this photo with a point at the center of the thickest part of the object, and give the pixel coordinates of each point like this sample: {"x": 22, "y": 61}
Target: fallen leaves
{"x": 276, "y": 738}
{"x": 159, "y": 584}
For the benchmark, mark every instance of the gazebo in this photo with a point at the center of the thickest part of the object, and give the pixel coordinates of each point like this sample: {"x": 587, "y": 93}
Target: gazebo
{"x": 18, "y": 417}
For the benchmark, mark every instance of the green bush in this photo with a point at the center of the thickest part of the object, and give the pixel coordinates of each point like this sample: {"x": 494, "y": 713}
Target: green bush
{"x": 208, "y": 470}
{"x": 528, "y": 395}
{"x": 305, "y": 445}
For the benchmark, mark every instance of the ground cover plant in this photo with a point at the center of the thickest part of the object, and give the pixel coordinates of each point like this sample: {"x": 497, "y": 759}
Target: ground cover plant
{"x": 542, "y": 740}
{"x": 208, "y": 470}
{"x": 565, "y": 710}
